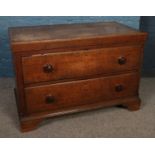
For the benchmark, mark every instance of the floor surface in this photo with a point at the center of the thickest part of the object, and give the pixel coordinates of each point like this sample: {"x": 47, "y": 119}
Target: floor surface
{"x": 109, "y": 122}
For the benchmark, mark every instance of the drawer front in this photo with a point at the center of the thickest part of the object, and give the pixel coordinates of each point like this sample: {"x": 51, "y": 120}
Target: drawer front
{"x": 80, "y": 64}
{"x": 67, "y": 94}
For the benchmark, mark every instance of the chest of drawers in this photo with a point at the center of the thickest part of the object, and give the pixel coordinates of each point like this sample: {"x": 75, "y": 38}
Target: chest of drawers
{"x": 63, "y": 69}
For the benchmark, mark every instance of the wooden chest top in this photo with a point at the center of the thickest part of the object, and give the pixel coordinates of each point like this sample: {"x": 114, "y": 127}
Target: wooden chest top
{"x": 67, "y": 34}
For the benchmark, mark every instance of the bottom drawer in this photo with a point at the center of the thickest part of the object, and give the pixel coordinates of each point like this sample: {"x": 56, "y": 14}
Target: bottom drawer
{"x": 67, "y": 94}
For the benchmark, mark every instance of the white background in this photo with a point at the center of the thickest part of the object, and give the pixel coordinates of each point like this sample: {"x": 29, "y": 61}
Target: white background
{"x": 77, "y": 7}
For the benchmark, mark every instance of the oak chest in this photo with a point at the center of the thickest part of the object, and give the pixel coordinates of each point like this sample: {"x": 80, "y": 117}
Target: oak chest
{"x": 63, "y": 69}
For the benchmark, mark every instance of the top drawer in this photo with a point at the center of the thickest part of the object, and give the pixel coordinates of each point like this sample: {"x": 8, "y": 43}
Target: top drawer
{"x": 79, "y": 64}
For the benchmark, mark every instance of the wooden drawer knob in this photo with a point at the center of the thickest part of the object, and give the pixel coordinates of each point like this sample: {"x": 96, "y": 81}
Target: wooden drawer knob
{"x": 48, "y": 68}
{"x": 50, "y": 99}
{"x": 122, "y": 60}
{"x": 119, "y": 88}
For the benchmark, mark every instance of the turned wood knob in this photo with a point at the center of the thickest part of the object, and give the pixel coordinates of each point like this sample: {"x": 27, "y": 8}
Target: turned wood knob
{"x": 122, "y": 60}
{"x": 50, "y": 99}
{"x": 48, "y": 68}
{"x": 119, "y": 88}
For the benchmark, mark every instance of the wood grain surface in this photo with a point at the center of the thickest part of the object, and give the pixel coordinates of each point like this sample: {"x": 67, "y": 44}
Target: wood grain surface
{"x": 80, "y": 92}
{"x": 62, "y": 69}
{"x": 86, "y": 63}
